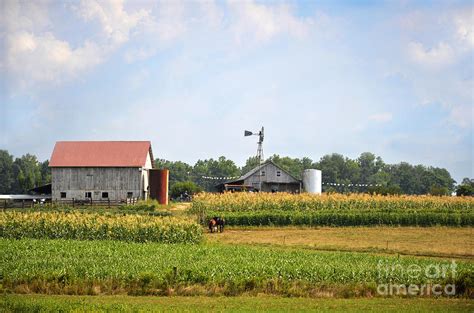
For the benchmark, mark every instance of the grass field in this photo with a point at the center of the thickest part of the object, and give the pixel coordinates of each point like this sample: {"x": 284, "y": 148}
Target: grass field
{"x": 37, "y": 303}
{"x": 433, "y": 241}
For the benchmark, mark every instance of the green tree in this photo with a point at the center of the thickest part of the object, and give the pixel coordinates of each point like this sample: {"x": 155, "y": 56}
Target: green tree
{"x": 221, "y": 167}
{"x": 186, "y": 187}
{"x": 420, "y": 179}
{"x": 45, "y": 172}
{"x": 179, "y": 171}
{"x": 339, "y": 170}
{"x": 438, "y": 191}
{"x": 250, "y": 164}
{"x": 368, "y": 168}
{"x": 28, "y": 173}
{"x": 466, "y": 188}
{"x": 6, "y": 172}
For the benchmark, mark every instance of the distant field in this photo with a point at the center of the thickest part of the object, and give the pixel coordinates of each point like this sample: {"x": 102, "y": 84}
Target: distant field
{"x": 37, "y": 303}
{"x": 280, "y": 209}
{"x": 424, "y": 241}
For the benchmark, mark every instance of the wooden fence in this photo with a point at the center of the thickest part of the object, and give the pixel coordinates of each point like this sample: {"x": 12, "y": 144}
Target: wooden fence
{"x": 73, "y": 203}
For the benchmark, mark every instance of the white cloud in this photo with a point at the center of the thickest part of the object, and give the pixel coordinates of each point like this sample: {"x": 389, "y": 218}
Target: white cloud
{"x": 212, "y": 13}
{"x": 263, "y": 22}
{"x": 441, "y": 44}
{"x": 34, "y": 54}
{"x": 438, "y": 39}
{"x": 438, "y": 56}
{"x": 44, "y": 58}
{"x": 247, "y": 23}
{"x": 24, "y": 16}
{"x": 115, "y": 21}
{"x": 170, "y": 22}
{"x": 381, "y": 117}
{"x": 464, "y": 21}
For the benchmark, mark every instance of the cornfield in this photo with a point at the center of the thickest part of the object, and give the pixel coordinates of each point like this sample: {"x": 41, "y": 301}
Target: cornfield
{"x": 91, "y": 226}
{"x": 68, "y": 266}
{"x": 334, "y": 209}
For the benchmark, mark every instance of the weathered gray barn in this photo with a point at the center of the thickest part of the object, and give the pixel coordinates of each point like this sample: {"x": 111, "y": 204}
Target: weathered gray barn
{"x": 267, "y": 177}
{"x": 100, "y": 170}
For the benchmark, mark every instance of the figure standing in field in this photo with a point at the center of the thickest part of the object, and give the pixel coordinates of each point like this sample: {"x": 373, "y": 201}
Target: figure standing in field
{"x": 216, "y": 224}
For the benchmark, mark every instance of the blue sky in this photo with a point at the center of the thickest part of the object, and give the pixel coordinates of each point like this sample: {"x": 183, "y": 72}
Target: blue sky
{"x": 392, "y": 78}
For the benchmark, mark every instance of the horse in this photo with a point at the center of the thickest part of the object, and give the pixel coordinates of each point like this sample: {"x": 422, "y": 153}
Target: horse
{"x": 216, "y": 224}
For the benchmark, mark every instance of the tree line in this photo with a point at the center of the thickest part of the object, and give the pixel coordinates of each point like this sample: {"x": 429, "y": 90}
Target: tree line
{"x": 18, "y": 175}
{"x": 367, "y": 169}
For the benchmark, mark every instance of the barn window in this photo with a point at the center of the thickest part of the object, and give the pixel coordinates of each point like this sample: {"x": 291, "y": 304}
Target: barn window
{"x": 129, "y": 194}
{"x": 63, "y": 195}
{"x": 263, "y": 173}
{"x": 278, "y": 173}
{"x": 105, "y": 195}
{"x": 88, "y": 194}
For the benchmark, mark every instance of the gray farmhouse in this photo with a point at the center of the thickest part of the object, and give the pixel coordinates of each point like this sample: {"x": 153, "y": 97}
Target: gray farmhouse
{"x": 267, "y": 177}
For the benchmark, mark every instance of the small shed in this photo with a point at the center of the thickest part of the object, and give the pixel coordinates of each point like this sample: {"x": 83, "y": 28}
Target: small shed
{"x": 267, "y": 177}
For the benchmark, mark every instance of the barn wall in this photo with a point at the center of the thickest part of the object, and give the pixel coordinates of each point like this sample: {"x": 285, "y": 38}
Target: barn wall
{"x": 116, "y": 181}
{"x": 277, "y": 187}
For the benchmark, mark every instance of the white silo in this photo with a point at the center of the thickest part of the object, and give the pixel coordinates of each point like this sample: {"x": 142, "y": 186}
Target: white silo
{"x": 312, "y": 181}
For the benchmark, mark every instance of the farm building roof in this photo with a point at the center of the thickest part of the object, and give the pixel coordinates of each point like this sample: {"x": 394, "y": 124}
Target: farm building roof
{"x": 100, "y": 154}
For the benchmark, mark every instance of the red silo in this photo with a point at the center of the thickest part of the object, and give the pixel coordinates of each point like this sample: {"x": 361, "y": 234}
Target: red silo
{"x": 159, "y": 185}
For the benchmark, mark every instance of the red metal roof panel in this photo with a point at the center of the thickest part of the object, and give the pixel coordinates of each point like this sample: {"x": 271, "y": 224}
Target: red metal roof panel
{"x": 100, "y": 154}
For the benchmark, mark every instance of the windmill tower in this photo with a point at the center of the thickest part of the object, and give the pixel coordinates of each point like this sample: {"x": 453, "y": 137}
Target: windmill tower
{"x": 260, "y": 135}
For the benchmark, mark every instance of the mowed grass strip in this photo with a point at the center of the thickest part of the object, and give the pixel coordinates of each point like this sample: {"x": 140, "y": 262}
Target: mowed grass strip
{"x": 48, "y": 303}
{"x": 432, "y": 241}
{"x": 111, "y": 267}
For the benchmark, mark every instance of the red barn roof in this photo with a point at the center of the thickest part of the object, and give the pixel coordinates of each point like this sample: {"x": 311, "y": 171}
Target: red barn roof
{"x": 100, "y": 154}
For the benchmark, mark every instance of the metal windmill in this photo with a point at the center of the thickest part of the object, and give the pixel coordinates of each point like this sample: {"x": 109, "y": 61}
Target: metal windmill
{"x": 260, "y": 143}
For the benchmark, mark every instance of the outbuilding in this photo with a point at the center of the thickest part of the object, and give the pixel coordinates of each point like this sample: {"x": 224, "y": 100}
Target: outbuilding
{"x": 101, "y": 170}
{"x": 267, "y": 177}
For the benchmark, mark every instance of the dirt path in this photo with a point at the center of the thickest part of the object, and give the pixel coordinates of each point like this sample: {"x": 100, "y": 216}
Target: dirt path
{"x": 180, "y": 206}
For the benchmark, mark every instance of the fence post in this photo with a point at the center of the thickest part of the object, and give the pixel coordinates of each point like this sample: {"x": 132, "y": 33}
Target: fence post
{"x": 5, "y": 204}
{"x": 22, "y": 204}
{"x": 108, "y": 202}
{"x": 72, "y": 202}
